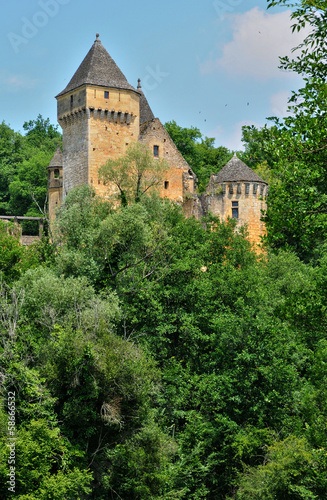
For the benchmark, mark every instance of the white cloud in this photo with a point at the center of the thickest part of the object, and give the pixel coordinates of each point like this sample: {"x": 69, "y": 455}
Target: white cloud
{"x": 279, "y": 103}
{"x": 232, "y": 140}
{"x": 259, "y": 39}
{"x": 16, "y": 82}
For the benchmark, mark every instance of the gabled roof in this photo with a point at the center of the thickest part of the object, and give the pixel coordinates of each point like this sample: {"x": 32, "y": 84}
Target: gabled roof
{"x": 98, "y": 68}
{"x": 146, "y": 113}
{"x": 57, "y": 159}
{"x": 146, "y": 131}
{"x": 236, "y": 171}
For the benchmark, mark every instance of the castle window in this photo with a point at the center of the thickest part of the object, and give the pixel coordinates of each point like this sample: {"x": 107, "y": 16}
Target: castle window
{"x": 247, "y": 188}
{"x": 56, "y": 173}
{"x": 235, "y": 209}
{"x": 231, "y": 189}
{"x": 156, "y": 151}
{"x": 71, "y": 101}
{"x": 166, "y": 184}
{"x": 106, "y": 94}
{"x": 239, "y": 189}
{"x": 255, "y": 187}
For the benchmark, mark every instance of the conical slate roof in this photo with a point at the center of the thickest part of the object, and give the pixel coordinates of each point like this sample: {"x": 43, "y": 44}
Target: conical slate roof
{"x": 98, "y": 68}
{"x": 236, "y": 171}
{"x": 57, "y": 159}
{"x": 146, "y": 113}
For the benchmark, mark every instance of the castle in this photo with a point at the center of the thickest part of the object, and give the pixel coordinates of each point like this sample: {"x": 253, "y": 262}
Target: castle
{"x": 101, "y": 114}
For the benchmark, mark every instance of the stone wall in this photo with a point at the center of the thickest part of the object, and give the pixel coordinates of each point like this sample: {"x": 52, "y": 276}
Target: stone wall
{"x": 248, "y": 198}
{"x": 54, "y": 197}
{"x": 179, "y": 178}
{"x": 114, "y": 124}
{"x": 98, "y": 124}
{"x": 75, "y": 150}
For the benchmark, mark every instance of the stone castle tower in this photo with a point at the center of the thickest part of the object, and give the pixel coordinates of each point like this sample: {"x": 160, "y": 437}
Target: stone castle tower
{"x": 239, "y": 193}
{"x": 101, "y": 114}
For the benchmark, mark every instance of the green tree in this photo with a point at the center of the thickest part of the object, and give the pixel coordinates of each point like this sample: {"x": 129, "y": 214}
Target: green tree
{"x": 121, "y": 249}
{"x": 41, "y": 133}
{"x": 255, "y": 141}
{"x": 75, "y": 233}
{"x": 15, "y": 258}
{"x": 297, "y": 206}
{"x": 135, "y": 174}
{"x": 24, "y": 161}
{"x": 47, "y": 466}
{"x": 11, "y": 156}
{"x": 290, "y": 470}
{"x": 199, "y": 152}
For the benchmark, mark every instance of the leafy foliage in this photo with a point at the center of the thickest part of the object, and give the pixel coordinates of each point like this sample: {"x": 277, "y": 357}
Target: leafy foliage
{"x": 174, "y": 370}
{"x": 134, "y": 174}
{"x": 158, "y": 357}
{"x": 295, "y": 147}
{"x": 200, "y": 152}
{"x": 23, "y": 166}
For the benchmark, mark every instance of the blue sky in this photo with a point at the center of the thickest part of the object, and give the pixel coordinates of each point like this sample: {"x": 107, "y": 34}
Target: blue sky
{"x": 211, "y": 64}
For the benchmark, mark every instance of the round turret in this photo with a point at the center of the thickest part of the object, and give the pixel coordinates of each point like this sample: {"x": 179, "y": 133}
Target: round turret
{"x": 55, "y": 182}
{"x": 238, "y": 192}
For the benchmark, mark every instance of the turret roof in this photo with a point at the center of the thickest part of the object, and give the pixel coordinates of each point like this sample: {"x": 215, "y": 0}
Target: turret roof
{"x": 57, "y": 159}
{"x": 236, "y": 171}
{"x": 98, "y": 68}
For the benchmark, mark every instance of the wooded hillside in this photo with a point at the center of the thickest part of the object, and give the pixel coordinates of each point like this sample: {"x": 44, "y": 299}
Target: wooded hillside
{"x": 148, "y": 356}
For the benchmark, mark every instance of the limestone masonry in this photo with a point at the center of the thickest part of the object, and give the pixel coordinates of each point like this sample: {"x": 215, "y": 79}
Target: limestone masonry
{"x": 101, "y": 114}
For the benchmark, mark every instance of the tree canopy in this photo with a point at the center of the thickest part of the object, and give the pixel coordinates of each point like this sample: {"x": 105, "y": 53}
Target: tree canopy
{"x": 23, "y": 166}
{"x": 133, "y": 174}
{"x": 156, "y": 357}
{"x": 200, "y": 152}
{"x": 292, "y": 152}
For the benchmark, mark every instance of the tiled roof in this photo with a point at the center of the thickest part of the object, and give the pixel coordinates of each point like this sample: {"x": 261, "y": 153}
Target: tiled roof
{"x": 98, "y": 68}
{"x": 57, "y": 159}
{"x": 146, "y": 113}
{"x": 235, "y": 171}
